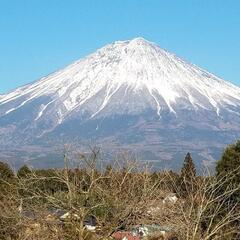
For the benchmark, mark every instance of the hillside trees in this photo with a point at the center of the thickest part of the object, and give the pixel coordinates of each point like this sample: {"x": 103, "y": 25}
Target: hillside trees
{"x": 119, "y": 196}
{"x": 116, "y": 197}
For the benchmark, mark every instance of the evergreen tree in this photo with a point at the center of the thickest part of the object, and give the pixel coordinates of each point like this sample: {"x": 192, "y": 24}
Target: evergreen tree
{"x": 230, "y": 161}
{"x": 187, "y": 176}
{"x": 8, "y": 203}
{"x": 188, "y": 170}
{"x": 6, "y": 172}
{"x": 108, "y": 169}
{"x": 24, "y": 171}
{"x": 229, "y": 166}
{"x": 7, "y": 181}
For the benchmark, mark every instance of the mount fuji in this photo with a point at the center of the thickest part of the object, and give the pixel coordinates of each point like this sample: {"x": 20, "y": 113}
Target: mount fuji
{"x": 129, "y": 95}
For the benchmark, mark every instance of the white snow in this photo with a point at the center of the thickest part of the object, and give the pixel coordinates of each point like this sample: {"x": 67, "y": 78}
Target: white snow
{"x": 42, "y": 109}
{"x": 136, "y": 64}
{"x": 10, "y": 110}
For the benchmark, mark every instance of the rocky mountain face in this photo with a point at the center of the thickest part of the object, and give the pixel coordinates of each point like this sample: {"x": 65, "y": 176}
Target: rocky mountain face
{"x": 129, "y": 95}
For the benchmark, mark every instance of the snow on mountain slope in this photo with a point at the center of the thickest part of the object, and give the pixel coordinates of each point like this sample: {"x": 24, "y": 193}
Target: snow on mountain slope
{"x": 128, "y": 92}
{"x": 136, "y": 66}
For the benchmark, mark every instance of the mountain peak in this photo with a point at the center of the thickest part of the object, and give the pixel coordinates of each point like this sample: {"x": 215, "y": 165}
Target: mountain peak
{"x": 135, "y": 66}
{"x": 102, "y": 94}
{"x": 139, "y": 41}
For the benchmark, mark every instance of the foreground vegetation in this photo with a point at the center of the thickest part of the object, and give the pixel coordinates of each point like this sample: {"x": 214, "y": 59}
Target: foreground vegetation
{"x": 120, "y": 196}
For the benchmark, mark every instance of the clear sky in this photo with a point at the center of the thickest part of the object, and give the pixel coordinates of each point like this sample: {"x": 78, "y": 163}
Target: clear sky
{"x": 38, "y": 37}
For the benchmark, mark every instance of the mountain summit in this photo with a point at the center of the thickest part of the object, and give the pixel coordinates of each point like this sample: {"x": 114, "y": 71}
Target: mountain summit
{"x": 128, "y": 94}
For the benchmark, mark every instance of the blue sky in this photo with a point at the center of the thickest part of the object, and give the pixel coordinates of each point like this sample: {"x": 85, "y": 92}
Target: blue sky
{"x": 38, "y": 37}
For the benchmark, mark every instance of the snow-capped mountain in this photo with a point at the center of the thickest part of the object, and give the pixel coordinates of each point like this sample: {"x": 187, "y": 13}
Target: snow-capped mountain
{"x": 127, "y": 94}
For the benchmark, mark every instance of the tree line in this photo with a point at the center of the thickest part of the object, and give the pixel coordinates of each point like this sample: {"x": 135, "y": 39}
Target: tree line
{"x": 119, "y": 196}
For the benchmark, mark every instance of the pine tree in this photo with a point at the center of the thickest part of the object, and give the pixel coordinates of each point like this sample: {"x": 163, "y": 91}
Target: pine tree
{"x": 7, "y": 180}
{"x": 6, "y": 172}
{"x": 187, "y": 176}
{"x": 229, "y": 166}
{"x": 108, "y": 169}
{"x": 188, "y": 170}
{"x": 228, "y": 169}
{"x": 230, "y": 160}
{"x": 24, "y": 171}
